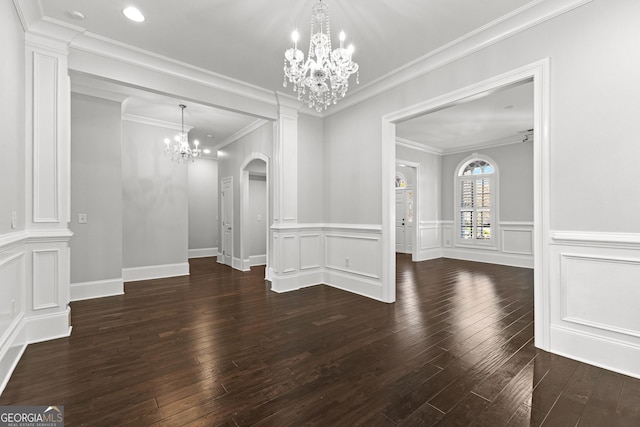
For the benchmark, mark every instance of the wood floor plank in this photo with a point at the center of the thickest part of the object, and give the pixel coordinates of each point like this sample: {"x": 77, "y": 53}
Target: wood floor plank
{"x": 219, "y": 348}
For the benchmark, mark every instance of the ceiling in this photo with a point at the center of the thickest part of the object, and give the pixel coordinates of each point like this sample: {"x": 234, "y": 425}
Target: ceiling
{"x": 246, "y": 39}
{"x": 487, "y": 119}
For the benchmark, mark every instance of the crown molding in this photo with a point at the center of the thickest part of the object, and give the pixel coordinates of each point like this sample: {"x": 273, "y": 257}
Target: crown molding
{"x": 242, "y": 132}
{"x": 154, "y": 122}
{"x": 510, "y": 140}
{"x": 407, "y": 143}
{"x": 111, "y": 49}
{"x": 519, "y": 20}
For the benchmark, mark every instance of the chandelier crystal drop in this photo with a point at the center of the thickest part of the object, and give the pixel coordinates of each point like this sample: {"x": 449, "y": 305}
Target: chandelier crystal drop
{"x": 324, "y": 77}
{"x": 180, "y": 151}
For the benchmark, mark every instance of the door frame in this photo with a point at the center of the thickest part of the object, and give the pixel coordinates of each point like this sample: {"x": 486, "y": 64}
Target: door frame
{"x": 244, "y": 203}
{"x": 539, "y": 73}
{"x": 415, "y": 251}
{"x": 222, "y": 255}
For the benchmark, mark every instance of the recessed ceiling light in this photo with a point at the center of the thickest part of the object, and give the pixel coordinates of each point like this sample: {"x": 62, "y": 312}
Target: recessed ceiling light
{"x": 75, "y": 14}
{"x": 133, "y": 14}
{"x": 209, "y": 135}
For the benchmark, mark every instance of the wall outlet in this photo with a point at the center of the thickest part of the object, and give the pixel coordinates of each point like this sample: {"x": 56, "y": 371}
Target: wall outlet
{"x": 14, "y": 219}
{"x": 82, "y": 218}
{"x": 346, "y": 262}
{"x": 13, "y": 307}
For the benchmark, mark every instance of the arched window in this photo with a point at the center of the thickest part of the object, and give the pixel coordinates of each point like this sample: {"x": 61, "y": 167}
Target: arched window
{"x": 476, "y": 183}
{"x": 401, "y": 181}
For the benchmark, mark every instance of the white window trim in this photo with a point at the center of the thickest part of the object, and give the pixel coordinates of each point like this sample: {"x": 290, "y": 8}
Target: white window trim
{"x": 494, "y": 241}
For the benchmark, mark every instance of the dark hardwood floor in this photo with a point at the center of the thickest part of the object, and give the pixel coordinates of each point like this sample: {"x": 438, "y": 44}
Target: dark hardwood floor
{"x": 219, "y": 348}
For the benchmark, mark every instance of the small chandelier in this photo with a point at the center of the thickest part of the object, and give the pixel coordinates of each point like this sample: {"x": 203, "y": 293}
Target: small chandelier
{"x": 181, "y": 151}
{"x": 324, "y": 77}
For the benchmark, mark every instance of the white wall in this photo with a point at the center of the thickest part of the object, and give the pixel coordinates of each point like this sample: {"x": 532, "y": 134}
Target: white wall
{"x": 203, "y": 207}
{"x": 96, "y": 189}
{"x": 154, "y": 205}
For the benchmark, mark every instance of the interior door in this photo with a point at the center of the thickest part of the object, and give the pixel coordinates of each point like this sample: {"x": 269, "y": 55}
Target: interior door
{"x": 226, "y": 200}
{"x": 401, "y": 234}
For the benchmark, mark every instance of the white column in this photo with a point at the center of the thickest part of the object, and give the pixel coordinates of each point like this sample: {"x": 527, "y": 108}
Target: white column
{"x": 284, "y": 240}
{"x": 47, "y": 189}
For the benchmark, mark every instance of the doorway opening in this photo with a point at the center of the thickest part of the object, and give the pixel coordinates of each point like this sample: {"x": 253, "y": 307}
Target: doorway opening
{"x": 538, "y": 74}
{"x": 254, "y": 211}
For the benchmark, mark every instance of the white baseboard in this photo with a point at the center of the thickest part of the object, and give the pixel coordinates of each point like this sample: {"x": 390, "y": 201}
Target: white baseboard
{"x": 97, "y": 289}
{"x": 48, "y": 327}
{"x": 258, "y": 260}
{"x": 293, "y": 282}
{"x": 428, "y": 254}
{"x": 203, "y": 253}
{"x": 488, "y": 256}
{"x": 13, "y": 344}
{"x": 24, "y": 331}
{"x": 150, "y": 272}
{"x": 611, "y": 354}
{"x": 354, "y": 283}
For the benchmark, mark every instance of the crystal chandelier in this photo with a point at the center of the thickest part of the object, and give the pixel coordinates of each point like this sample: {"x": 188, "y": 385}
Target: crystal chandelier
{"x": 324, "y": 77}
{"x": 181, "y": 151}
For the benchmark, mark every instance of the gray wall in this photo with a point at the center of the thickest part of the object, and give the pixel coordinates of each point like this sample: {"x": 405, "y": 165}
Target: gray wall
{"x": 515, "y": 181}
{"x": 154, "y": 199}
{"x": 96, "y": 189}
{"x": 12, "y": 90}
{"x": 203, "y": 204}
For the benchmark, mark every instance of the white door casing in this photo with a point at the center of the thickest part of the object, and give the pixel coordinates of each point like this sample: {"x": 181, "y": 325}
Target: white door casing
{"x": 226, "y": 202}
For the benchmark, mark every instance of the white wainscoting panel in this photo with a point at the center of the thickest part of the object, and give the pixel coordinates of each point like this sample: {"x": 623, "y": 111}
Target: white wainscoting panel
{"x": 46, "y": 278}
{"x": 595, "y": 291}
{"x": 601, "y": 292}
{"x": 359, "y": 255}
{"x": 291, "y": 255}
{"x": 310, "y": 251}
{"x": 517, "y": 238}
{"x": 346, "y": 256}
{"x": 45, "y": 134}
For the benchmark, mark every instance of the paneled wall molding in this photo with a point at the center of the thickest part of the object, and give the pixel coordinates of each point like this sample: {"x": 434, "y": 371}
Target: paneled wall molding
{"x": 603, "y": 239}
{"x": 347, "y": 256}
{"x": 594, "y": 292}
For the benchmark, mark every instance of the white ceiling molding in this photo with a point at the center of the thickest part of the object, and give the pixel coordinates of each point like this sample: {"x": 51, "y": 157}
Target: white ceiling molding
{"x": 403, "y": 142}
{"x": 510, "y": 140}
{"x": 154, "y": 122}
{"x": 242, "y": 132}
{"x": 519, "y": 20}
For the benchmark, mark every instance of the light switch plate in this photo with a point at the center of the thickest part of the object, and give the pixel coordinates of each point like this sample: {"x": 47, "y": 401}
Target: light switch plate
{"x": 14, "y": 219}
